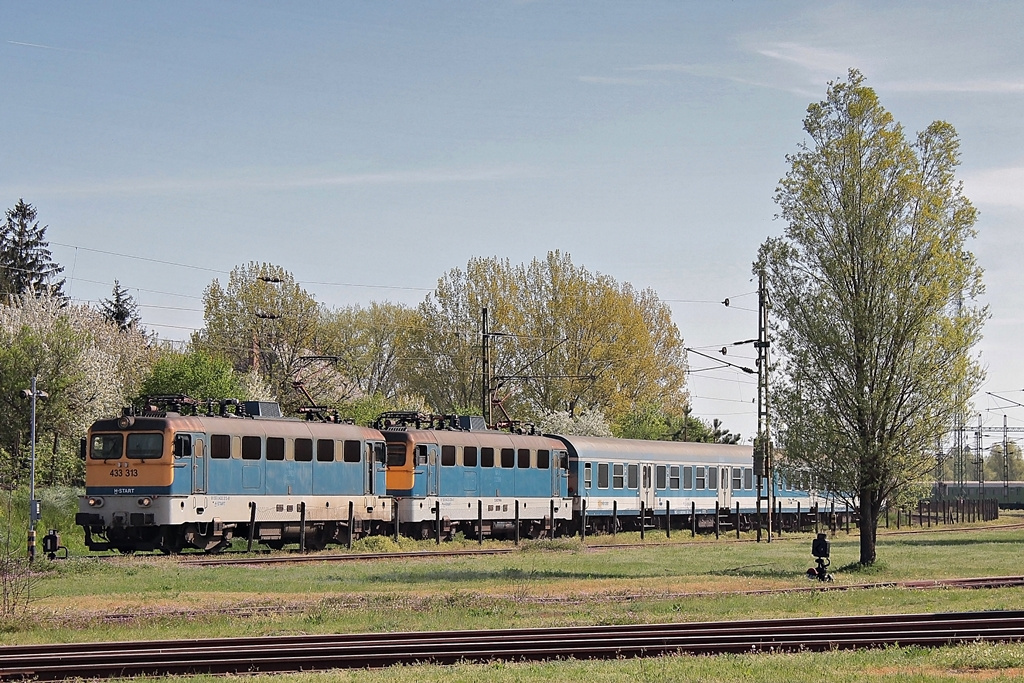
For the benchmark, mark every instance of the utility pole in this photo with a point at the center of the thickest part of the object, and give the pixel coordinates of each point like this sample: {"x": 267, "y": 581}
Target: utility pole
{"x": 762, "y": 443}
{"x": 33, "y": 504}
{"x": 485, "y": 354}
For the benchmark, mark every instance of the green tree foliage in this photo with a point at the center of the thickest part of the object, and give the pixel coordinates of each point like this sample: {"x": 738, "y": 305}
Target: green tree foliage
{"x": 874, "y": 284}
{"x": 562, "y": 339}
{"x": 195, "y": 373}
{"x": 264, "y": 322}
{"x": 88, "y": 367}
{"x": 121, "y": 308}
{"x": 25, "y": 260}
{"x": 1014, "y": 463}
{"x": 370, "y": 344}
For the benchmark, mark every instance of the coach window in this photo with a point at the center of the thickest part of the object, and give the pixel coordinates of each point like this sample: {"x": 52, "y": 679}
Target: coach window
{"x": 588, "y": 476}
{"x": 275, "y": 448}
{"x": 701, "y": 477}
{"x": 508, "y": 458}
{"x": 220, "y": 446}
{"x": 661, "y": 480}
{"x": 673, "y": 477}
{"x": 448, "y": 456}
{"x": 353, "y": 450}
{"x": 633, "y": 479}
{"x": 486, "y": 457}
{"x": 524, "y": 458}
{"x": 602, "y": 475}
{"x": 688, "y": 477}
{"x": 712, "y": 478}
{"x": 748, "y": 479}
{"x": 618, "y": 475}
{"x": 303, "y": 450}
{"x": 737, "y": 478}
{"x": 543, "y": 459}
{"x": 469, "y": 456}
{"x": 251, "y": 447}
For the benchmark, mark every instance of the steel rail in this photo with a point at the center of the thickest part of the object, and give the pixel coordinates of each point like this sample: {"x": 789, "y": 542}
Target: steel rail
{"x": 304, "y": 653}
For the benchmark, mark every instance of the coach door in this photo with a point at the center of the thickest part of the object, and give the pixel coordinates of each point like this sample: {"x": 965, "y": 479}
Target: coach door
{"x": 199, "y": 466}
{"x": 647, "y": 485}
{"x": 724, "y": 488}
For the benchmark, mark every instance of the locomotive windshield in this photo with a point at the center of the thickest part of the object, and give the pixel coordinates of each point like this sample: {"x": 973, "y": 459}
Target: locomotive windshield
{"x": 143, "y": 446}
{"x": 107, "y": 446}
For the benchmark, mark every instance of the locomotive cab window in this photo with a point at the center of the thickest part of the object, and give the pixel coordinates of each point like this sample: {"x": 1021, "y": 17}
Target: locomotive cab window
{"x": 447, "y": 456}
{"x": 107, "y": 446}
{"x": 145, "y": 446}
{"x": 251, "y": 447}
{"x": 524, "y": 458}
{"x": 397, "y": 455}
{"x": 325, "y": 450}
{"x": 421, "y": 454}
{"x": 183, "y": 446}
{"x": 303, "y": 450}
{"x": 353, "y": 451}
{"x": 220, "y": 446}
{"x": 563, "y": 460}
{"x": 543, "y": 459}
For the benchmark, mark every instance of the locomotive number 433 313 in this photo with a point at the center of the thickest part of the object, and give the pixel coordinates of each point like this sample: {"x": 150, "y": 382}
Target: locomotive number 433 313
{"x": 123, "y": 472}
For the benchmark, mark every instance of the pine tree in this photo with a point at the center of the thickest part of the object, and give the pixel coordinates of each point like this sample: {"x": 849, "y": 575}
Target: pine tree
{"x": 25, "y": 260}
{"x": 121, "y": 308}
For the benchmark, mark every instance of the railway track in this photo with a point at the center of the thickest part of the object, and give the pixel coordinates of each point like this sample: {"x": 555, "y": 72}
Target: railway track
{"x": 361, "y": 601}
{"x": 296, "y": 558}
{"x": 320, "y": 652}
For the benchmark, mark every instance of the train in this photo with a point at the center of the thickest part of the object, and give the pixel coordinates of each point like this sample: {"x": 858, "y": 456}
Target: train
{"x": 181, "y": 474}
{"x": 1008, "y": 495}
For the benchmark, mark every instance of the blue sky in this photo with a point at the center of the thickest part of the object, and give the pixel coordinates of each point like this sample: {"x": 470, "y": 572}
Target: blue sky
{"x": 370, "y": 147}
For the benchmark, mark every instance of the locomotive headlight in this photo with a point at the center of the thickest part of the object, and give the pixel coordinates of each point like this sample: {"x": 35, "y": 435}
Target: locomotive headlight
{"x": 125, "y": 421}
{"x": 95, "y": 502}
{"x": 145, "y": 502}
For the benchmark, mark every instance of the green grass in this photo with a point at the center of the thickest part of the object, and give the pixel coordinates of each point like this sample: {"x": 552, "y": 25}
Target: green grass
{"x": 546, "y": 584}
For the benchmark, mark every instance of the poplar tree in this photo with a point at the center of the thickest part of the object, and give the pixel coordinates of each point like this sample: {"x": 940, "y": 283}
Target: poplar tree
{"x": 25, "y": 260}
{"x": 875, "y": 289}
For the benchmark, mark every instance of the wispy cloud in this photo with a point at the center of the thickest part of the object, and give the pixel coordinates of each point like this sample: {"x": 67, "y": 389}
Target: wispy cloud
{"x": 45, "y": 47}
{"x": 812, "y": 59}
{"x": 999, "y": 186}
{"x": 613, "y": 80}
{"x": 246, "y": 180}
{"x": 979, "y": 86}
